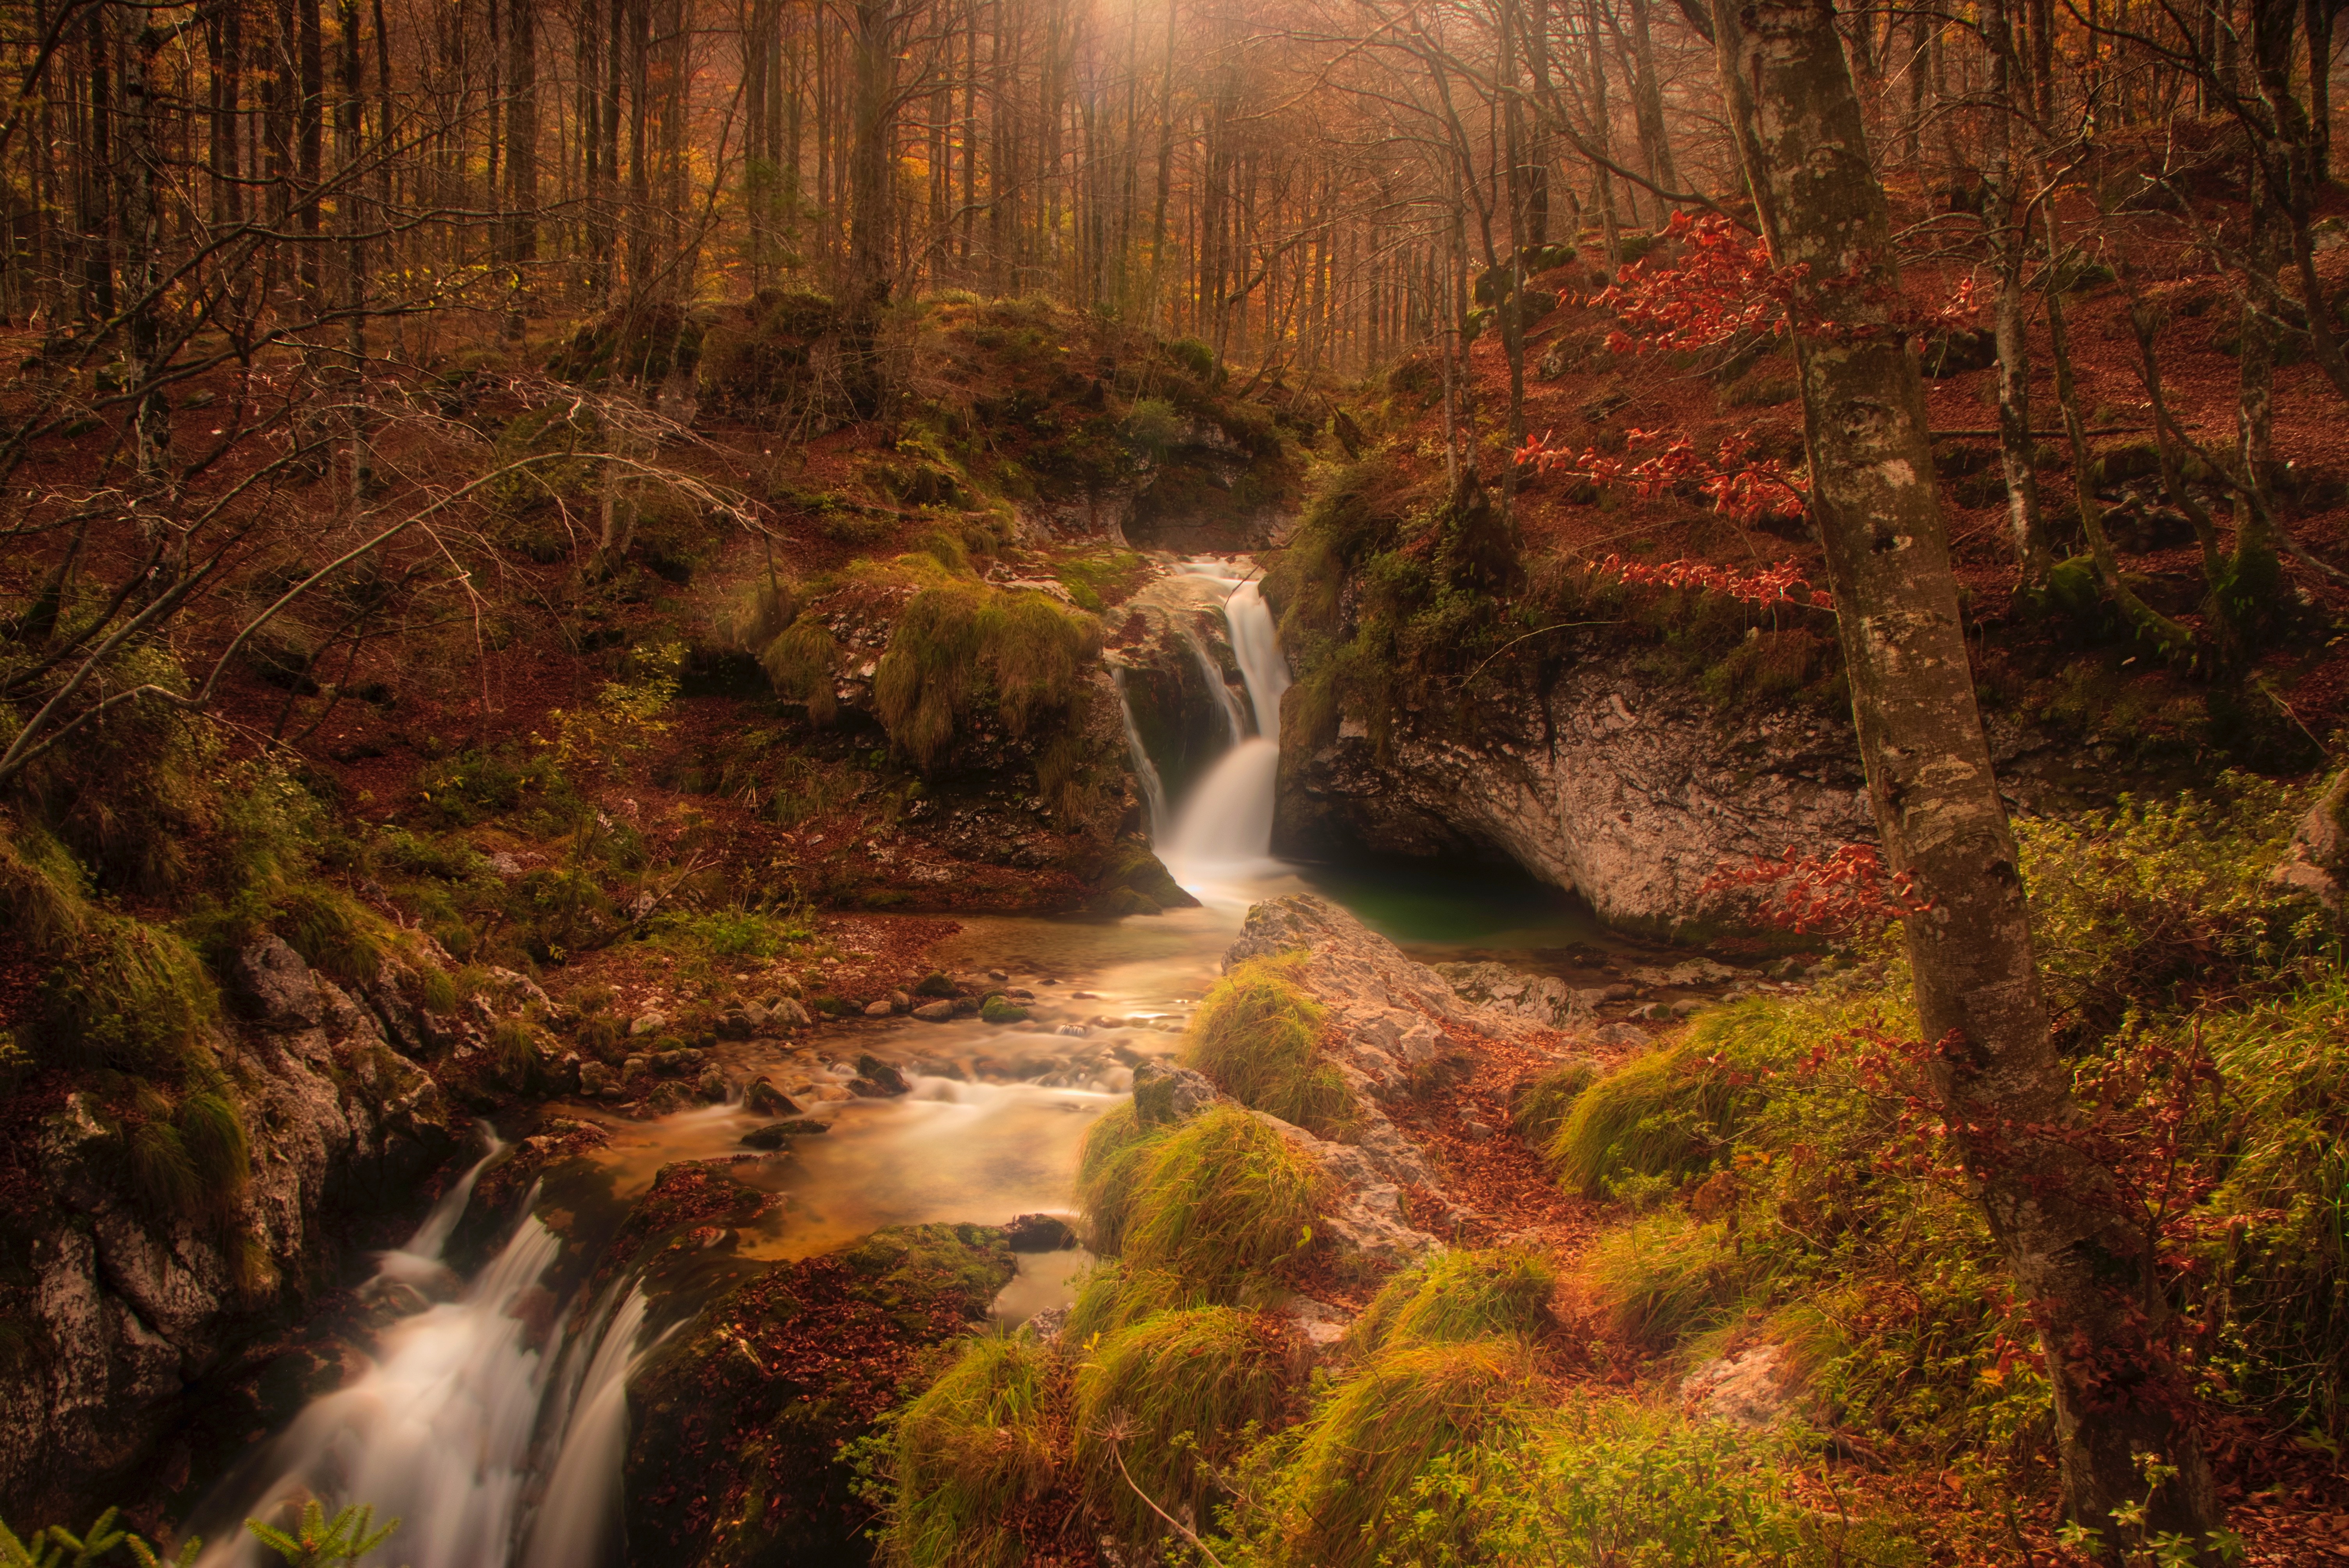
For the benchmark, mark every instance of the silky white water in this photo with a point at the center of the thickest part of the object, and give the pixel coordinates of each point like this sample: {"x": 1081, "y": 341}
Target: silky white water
{"x": 1153, "y": 787}
{"x": 1220, "y": 845}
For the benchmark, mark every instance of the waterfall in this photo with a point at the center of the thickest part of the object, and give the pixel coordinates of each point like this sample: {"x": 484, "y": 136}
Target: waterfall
{"x": 450, "y": 1427}
{"x": 1225, "y": 825}
{"x": 1153, "y": 788}
{"x": 417, "y": 1260}
{"x": 1257, "y": 644}
{"x": 1212, "y": 672}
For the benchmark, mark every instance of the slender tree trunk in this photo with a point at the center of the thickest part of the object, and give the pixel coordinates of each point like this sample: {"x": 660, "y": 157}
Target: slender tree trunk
{"x": 2073, "y": 1253}
{"x": 2003, "y": 227}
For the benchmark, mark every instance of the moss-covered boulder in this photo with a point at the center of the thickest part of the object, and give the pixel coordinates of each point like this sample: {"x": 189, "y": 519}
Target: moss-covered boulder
{"x": 737, "y": 1425}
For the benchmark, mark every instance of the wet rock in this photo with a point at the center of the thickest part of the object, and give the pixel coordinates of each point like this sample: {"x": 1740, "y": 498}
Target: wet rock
{"x": 736, "y": 1025}
{"x": 996, "y": 1010}
{"x": 1020, "y": 993}
{"x": 710, "y": 1086}
{"x": 1076, "y": 1030}
{"x": 788, "y": 1012}
{"x": 936, "y": 1012}
{"x": 967, "y": 1006}
{"x": 1163, "y": 1094}
{"x": 936, "y": 984}
{"x": 593, "y": 1077}
{"x": 899, "y": 1002}
{"x": 738, "y": 1424}
{"x": 274, "y": 986}
{"x": 779, "y": 1134}
{"x": 669, "y": 1100}
{"x": 1039, "y": 1233}
{"x": 761, "y": 1097}
{"x": 669, "y": 1064}
{"x": 876, "y": 1079}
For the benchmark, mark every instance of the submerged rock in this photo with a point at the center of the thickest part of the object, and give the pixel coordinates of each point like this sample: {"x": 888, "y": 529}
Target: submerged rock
{"x": 737, "y": 1425}
{"x": 1039, "y": 1233}
{"x": 876, "y": 1079}
{"x": 761, "y": 1097}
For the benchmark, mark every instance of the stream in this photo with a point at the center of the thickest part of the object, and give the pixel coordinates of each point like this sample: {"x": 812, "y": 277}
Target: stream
{"x": 491, "y": 1418}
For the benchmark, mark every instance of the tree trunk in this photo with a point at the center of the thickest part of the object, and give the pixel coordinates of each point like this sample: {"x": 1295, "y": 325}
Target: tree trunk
{"x": 2074, "y": 1255}
{"x": 2008, "y": 238}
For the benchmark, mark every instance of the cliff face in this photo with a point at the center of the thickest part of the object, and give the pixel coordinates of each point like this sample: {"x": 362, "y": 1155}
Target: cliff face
{"x": 127, "y": 1308}
{"x": 1622, "y": 788}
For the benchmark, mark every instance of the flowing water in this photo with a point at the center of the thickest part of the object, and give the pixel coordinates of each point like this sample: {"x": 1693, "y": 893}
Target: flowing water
{"x": 493, "y": 1419}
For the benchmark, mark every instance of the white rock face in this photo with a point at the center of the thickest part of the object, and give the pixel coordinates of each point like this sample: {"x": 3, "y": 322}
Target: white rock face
{"x": 1625, "y": 789}
{"x": 128, "y": 1308}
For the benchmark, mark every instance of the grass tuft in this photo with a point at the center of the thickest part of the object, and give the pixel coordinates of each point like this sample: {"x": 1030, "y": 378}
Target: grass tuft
{"x": 1662, "y": 1278}
{"x": 1543, "y": 1104}
{"x": 1219, "y": 1198}
{"x": 1175, "y": 1395}
{"x": 1257, "y": 1034}
{"x": 803, "y": 662}
{"x": 1504, "y": 1292}
{"x": 1652, "y": 1115}
{"x": 1108, "y": 1173}
{"x": 127, "y": 996}
{"x": 967, "y": 1453}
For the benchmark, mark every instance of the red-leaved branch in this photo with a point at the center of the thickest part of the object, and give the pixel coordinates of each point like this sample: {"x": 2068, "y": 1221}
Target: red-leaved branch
{"x": 1741, "y": 486}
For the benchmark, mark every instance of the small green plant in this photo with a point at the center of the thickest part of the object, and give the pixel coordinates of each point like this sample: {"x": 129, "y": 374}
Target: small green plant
{"x": 319, "y": 1542}
{"x": 625, "y": 719}
{"x": 967, "y": 1452}
{"x": 1219, "y": 1199}
{"x": 57, "y": 1547}
{"x": 1460, "y": 1297}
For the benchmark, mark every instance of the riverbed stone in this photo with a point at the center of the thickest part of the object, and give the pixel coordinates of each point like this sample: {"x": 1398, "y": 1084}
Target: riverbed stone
{"x": 939, "y": 1012}
{"x": 710, "y": 1086}
{"x": 789, "y": 1011}
{"x": 761, "y": 1097}
{"x": 648, "y": 1023}
{"x": 880, "y": 1009}
{"x": 1039, "y": 1233}
{"x": 877, "y": 1079}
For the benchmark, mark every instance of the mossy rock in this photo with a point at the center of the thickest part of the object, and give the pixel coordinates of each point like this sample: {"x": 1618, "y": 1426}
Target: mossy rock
{"x": 736, "y": 1429}
{"x": 1002, "y": 1010}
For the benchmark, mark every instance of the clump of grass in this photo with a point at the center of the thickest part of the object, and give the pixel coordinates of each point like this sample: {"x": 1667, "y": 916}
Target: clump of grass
{"x": 1174, "y": 1396}
{"x": 1373, "y": 1438}
{"x": 803, "y": 662}
{"x": 969, "y": 1450}
{"x": 334, "y": 934}
{"x": 44, "y": 899}
{"x": 514, "y": 1052}
{"x": 188, "y": 1161}
{"x": 1503, "y": 1293}
{"x": 1219, "y": 1198}
{"x": 1116, "y": 1296}
{"x": 1652, "y": 1115}
{"x": 1662, "y": 1278}
{"x": 1108, "y": 1173}
{"x": 1257, "y": 1034}
{"x": 127, "y": 996}
{"x": 1543, "y": 1103}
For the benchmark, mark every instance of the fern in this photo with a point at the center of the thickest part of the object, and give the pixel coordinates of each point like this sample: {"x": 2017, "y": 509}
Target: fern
{"x": 319, "y": 1541}
{"x": 57, "y": 1547}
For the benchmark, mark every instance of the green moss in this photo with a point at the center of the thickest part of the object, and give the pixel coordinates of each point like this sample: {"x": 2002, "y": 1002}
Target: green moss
{"x": 1173, "y": 1398}
{"x": 1257, "y": 1035}
{"x": 959, "y": 640}
{"x": 1460, "y": 1297}
{"x": 968, "y": 1452}
{"x": 1002, "y": 1010}
{"x": 126, "y": 995}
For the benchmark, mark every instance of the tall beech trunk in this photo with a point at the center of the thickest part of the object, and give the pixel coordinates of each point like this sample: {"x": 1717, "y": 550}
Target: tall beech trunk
{"x": 2073, "y": 1252}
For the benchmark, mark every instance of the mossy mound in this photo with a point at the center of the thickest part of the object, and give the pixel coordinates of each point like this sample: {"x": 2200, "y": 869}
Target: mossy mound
{"x": 1216, "y": 1200}
{"x": 736, "y": 1429}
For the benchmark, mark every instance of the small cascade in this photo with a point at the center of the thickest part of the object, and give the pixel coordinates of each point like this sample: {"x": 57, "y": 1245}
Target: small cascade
{"x": 1257, "y": 643}
{"x": 1153, "y": 788}
{"x": 417, "y": 1261}
{"x": 451, "y": 1427}
{"x": 1235, "y": 723}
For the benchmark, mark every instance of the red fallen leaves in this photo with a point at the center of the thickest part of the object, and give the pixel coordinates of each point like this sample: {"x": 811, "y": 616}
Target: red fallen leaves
{"x": 1846, "y": 890}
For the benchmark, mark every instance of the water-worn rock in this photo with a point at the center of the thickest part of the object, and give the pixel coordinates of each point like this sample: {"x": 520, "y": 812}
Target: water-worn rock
{"x": 1039, "y": 1233}
{"x": 1540, "y": 999}
{"x": 941, "y": 1012}
{"x": 123, "y": 1310}
{"x": 737, "y": 1425}
{"x": 761, "y": 1097}
{"x": 789, "y": 1013}
{"x": 779, "y": 1134}
{"x": 876, "y": 1079}
{"x": 1163, "y": 1094}
{"x": 1626, "y": 787}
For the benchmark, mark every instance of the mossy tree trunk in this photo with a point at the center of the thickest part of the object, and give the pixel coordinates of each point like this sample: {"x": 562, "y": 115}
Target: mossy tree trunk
{"x": 2073, "y": 1253}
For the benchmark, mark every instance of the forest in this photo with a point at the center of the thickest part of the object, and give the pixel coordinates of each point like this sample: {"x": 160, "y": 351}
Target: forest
{"x": 1377, "y": 783}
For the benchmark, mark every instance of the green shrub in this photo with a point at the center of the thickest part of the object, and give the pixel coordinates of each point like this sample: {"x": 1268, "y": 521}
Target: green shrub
{"x": 1459, "y": 1296}
{"x": 127, "y": 996}
{"x": 967, "y": 1452}
{"x": 1257, "y": 1035}
{"x": 1155, "y": 427}
{"x": 2153, "y": 903}
{"x": 1174, "y": 1396}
